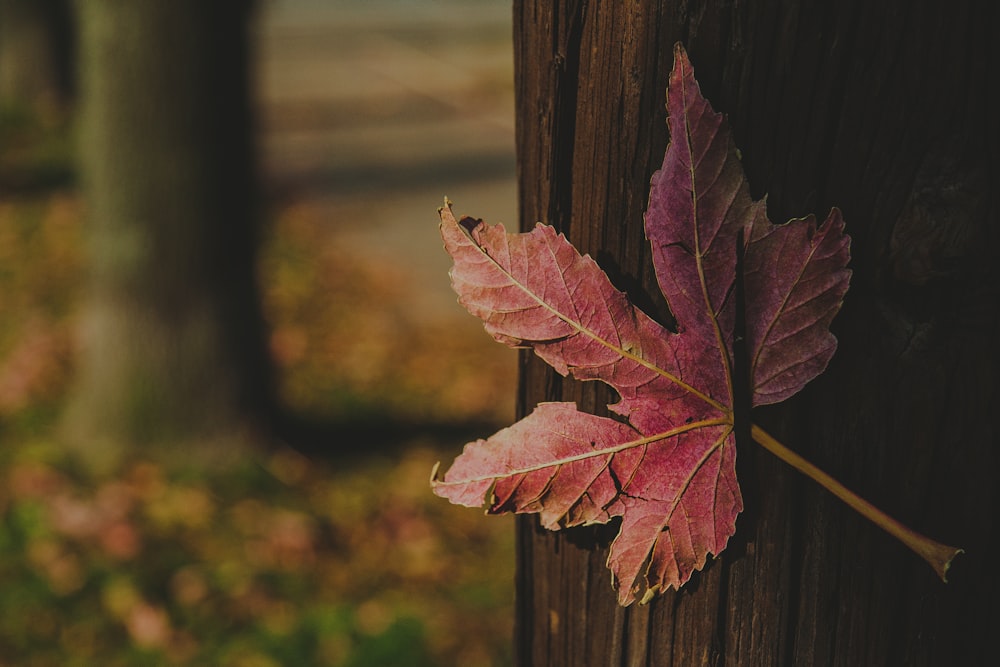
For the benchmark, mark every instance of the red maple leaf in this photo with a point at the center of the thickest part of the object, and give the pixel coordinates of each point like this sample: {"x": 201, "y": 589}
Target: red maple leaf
{"x": 667, "y": 465}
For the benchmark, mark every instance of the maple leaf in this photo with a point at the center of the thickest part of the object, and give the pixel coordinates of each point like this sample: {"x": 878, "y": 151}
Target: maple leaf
{"x": 666, "y": 466}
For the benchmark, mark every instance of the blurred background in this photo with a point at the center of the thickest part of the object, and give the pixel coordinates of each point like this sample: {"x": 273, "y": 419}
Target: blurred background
{"x": 229, "y": 352}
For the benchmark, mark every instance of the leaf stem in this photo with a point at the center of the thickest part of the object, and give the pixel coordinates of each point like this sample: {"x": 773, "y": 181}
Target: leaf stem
{"x": 938, "y": 555}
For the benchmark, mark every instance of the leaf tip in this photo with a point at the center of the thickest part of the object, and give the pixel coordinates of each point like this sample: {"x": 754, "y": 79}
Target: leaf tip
{"x": 447, "y": 216}
{"x": 682, "y": 67}
{"x": 434, "y": 475}
{"x": 679, "y": 51}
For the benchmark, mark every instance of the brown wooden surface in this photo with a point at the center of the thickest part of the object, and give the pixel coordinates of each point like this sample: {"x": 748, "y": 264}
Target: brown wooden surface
{"x": 885, "y": 110}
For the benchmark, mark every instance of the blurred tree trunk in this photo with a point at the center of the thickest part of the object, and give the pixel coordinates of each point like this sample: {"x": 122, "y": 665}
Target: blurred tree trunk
{"x": 172, "y": 340}
{"x": 36, "y": 49}
{"x": 886, "y": 110}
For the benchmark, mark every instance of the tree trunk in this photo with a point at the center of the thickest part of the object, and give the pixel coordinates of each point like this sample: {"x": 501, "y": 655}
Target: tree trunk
{"x": 36, "y": 52}
{"x": 173, "y": 344}
{"x": 883, "y": 109}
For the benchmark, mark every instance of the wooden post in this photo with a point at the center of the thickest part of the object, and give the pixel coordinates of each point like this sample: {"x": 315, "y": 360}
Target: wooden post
{"x": 885, "y": 110}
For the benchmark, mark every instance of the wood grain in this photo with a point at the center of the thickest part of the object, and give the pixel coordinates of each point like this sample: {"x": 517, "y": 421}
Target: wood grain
{"x": 885, "y": 110}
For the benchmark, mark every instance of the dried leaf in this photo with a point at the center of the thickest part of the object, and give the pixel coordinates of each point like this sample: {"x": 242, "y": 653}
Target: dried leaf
{"x": 667, "y": 467}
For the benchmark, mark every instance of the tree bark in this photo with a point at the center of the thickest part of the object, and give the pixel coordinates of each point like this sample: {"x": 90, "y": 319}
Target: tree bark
{"x": 173, "y": 344}
{"x": 884, "y": 110}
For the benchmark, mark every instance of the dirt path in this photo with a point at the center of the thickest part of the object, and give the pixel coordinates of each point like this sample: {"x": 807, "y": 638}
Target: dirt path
{"x": 372, "y": 112}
